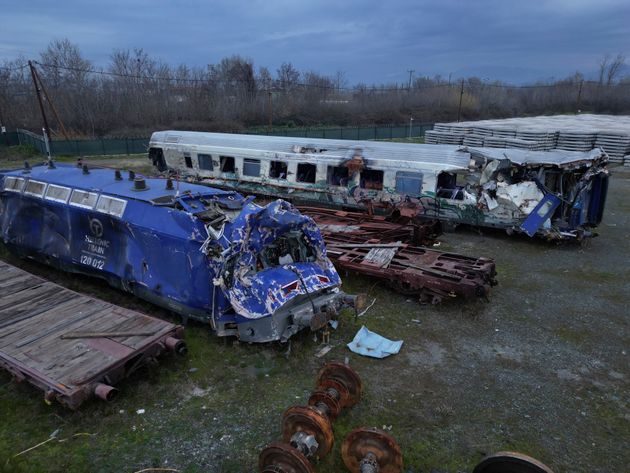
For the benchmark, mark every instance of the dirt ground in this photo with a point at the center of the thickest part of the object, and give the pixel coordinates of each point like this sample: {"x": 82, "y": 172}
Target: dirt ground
{"x": 543, "y": 368}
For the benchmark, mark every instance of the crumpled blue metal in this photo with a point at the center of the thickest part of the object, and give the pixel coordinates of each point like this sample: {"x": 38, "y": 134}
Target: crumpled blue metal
{"x": 259, "y": 293}
{"x": 371, "y": 344}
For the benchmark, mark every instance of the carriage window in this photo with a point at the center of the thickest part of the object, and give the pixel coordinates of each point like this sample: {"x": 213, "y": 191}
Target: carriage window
{"x": 35, "y": 188}
{"x": 251, "y": 167}
{"x": 188, "y": 160}
{"x": 13, "y": 184}
{"x": 111, "y": 205}
{"x": 278, "y": 170}
{"x": 83, "y": 199}
{"x": 409, "y": 183}
{"x": 447, "y": 186}
{"x": 227, "y": 163}
{"x": 205, "y": 162}
{"x": 306, "y": 173}
{"x": 372, "y": 179}
{"x": 337, "y": 176}
{"x": 57, "y": 193}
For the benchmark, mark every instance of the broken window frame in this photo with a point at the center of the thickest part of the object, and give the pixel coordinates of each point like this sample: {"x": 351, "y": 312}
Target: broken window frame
{"x": 372, "y": 173}
{"x": 229, "y": 162}
{"x": 205, "y": 162}
{"x": 188, "y": 161}
{"x": 456, "y": 191}
{"x": 304, "y": 171}
{"x": 251, "y": 167}
{"x": 281, "y": 173}
{"x": 337, "y": 176}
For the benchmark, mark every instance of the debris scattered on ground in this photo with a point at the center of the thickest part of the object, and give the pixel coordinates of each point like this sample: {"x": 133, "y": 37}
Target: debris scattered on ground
{"x": 371, "y": 344}
{"x": 323, "y": 350}
{"x": 363, "y": 312}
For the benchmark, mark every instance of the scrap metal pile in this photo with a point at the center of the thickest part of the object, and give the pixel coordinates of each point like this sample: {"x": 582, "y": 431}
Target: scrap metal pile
{"x": 389, "y": 251}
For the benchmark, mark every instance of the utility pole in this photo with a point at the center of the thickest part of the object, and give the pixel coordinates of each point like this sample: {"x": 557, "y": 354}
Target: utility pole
{"x": 410, "y": 126}
{"x": 410, "y": 71}
{"x": 52, "y": 107}
{"x": 579, "y": 96}
{"x": 39, "y": 98}
{"x": 461, "y": 95}
{"x": 3, "y": 128}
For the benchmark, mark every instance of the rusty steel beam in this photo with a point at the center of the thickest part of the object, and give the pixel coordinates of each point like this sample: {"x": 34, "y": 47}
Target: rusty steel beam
{"x": 360, "y": 226}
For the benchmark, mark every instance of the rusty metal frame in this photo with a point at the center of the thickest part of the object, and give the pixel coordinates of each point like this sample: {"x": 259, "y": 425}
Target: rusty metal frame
{"x": 353, "y": 239}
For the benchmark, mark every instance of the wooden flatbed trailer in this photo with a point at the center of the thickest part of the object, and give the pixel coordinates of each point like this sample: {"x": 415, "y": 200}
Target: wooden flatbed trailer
{"x": 70, "y": 345}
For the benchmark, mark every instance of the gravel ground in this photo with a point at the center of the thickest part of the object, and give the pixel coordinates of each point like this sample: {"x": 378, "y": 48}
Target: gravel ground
{"x": 542, "y": 368}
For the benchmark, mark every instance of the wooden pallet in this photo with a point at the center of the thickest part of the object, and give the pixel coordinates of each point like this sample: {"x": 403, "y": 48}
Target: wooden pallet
{"x": 67, "y": 343}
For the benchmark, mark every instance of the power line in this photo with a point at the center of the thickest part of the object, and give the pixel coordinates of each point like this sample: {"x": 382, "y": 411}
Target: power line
{"x": 212, "y": 80}
{"x": 15, "y": 68}
{"x": 357, "y": 89}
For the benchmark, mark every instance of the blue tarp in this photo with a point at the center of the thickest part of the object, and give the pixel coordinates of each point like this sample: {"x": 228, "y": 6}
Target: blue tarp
{"x": 368, "y": 343}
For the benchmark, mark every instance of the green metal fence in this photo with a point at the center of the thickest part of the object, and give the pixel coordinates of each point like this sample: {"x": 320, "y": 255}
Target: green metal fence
{"x": 110, "y": 146}
{"x": 382, "y": 132}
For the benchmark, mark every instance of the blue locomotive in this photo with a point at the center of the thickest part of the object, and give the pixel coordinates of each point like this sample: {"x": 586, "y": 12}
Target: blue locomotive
{"x": 256, "y": 272}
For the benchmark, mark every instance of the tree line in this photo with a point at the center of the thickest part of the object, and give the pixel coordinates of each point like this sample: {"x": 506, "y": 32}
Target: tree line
{"x": 136, "y": 94}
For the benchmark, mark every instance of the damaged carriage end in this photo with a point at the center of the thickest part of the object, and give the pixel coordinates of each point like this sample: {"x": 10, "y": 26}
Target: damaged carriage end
{"x": 277, "y": 276}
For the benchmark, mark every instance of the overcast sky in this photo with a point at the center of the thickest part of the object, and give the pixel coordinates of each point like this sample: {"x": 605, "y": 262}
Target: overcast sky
{"x": 372, "y": 41}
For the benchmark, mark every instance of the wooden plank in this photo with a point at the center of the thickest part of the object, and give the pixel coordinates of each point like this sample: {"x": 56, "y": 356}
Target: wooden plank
{"x": 52, "y": 346}
{"x": 10, "y": 279}
{"x": 32, "y": 307}
{"x": 26, "y": 328}
{"x": 51, "y": 340}
{"x": 24, "y": 295}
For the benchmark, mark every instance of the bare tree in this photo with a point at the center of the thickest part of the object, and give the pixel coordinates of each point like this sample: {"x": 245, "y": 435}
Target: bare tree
{"x": 614, "y": 68}
{"x": 603, "y": 66}
{"x": 288, "y": 76}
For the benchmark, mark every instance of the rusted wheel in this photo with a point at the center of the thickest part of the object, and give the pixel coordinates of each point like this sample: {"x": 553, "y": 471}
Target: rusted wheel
{"x": 309, "y": 420}
{"x": 363, "y": 441}
{"x": 510, "y": 462}
{"x": 345, "y": 375}
{"x": 341, "y": 389}
{"x": 283, "y": 458}
{"x": 320, "y": 396}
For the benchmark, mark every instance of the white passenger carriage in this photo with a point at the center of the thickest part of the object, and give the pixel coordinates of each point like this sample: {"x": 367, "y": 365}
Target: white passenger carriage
{"x": 485, "y": 187}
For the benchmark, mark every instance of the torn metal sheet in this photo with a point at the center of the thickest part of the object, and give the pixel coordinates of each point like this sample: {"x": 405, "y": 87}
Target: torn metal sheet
{"x": 257, "y": 272}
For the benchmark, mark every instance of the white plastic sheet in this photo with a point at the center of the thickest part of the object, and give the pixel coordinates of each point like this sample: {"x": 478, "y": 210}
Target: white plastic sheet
{"x": 371, "y": 344}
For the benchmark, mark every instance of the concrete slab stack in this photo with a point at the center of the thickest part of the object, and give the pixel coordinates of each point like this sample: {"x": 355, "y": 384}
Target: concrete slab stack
{"x": 543, "y": 133}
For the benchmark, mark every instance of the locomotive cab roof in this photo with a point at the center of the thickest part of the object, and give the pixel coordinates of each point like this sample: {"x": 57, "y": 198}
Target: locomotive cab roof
{"x": 104, "y": 180}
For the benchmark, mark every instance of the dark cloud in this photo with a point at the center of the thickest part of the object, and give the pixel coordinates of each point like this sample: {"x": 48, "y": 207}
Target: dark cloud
{"x": 372, "y": 40}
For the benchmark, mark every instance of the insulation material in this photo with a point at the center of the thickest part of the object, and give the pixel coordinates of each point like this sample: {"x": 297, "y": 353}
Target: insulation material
{"x": 524, "y": 195}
